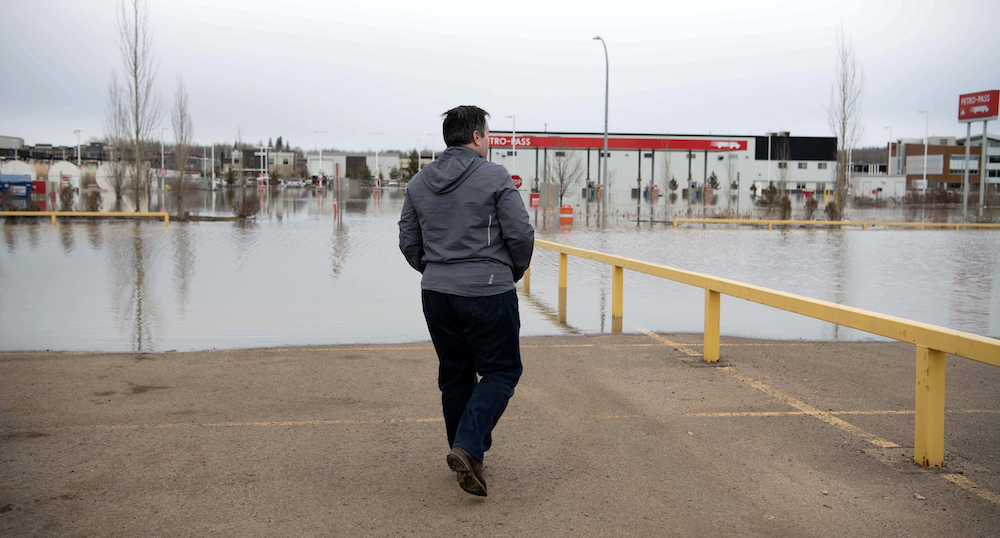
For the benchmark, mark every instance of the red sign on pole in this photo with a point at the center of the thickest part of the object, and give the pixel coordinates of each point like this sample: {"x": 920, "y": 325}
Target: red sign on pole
{"x": 535, "y": 200}
{"x": 979, "y": 106}
{"x": 517, "y": 181}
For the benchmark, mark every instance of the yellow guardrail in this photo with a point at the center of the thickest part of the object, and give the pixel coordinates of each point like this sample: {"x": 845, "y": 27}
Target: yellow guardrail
{"x": 159, "y": 214}
{"x": 933, "y": 342}
{"x": 863, "y": 224}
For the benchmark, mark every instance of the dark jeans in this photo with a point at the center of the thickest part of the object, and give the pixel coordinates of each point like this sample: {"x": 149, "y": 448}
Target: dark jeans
{"x": 474, "y": 335}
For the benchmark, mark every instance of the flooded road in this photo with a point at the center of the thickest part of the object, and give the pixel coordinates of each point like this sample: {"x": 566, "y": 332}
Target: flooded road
{"x": 293, "y": 277}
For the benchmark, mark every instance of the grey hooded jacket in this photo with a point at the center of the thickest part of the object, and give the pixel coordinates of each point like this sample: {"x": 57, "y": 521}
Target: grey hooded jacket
{"x": 464, "y": 226}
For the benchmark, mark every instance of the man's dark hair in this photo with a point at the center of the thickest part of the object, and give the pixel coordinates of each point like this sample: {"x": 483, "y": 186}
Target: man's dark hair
{"x": 460, "y": 122}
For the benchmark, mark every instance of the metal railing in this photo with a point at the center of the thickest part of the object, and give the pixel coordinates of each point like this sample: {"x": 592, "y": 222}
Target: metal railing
{"x": 91, "y": 214}
{"x": 933, "y": 342}
{"x": 863, "y": 224}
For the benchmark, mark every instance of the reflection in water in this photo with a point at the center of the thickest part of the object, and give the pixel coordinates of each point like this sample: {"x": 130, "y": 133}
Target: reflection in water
{"x": 131, "y": 301}
{"x": 184, "y": 262}
{"x": 840, "y": 256}
{"x": 66, "y": 237}
{"x": 8, "y": 237}
{"x": 33, "y": 238}
{"x": 243, "y": 240}
{"x": 340, "y": 248}
{"x": 972, "y": 287}
{"x": 546, "y": 311}
{"x": 94, "y": 234}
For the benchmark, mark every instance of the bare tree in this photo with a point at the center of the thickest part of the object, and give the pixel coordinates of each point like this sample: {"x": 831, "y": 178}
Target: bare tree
{"x": 784, "y": 152}
{"x": 135, "y": 40}
{"x": 566, "y": 169}
{"x": 612, "y": 173}
{"x": 845, "y": 116}
{"x": 181, "y": 121}
{"x": 665, "y": 172}
{"x": 730, "y": 170}
{"x": 115, "y": 133}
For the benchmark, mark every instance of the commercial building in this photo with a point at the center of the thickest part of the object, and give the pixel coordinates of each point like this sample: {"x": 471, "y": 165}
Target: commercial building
{"x": 346, "y": 164}
{"x": 249, "y": 163}
{"x": 794, "y": 163}
{"x": 946, "y": 161}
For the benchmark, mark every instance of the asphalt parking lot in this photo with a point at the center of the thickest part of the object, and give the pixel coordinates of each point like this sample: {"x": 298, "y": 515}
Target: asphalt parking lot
{"x": 606, "y": 435}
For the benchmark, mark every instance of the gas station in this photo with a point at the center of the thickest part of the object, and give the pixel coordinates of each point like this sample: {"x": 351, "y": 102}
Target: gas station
{"x": 648, "y": 159}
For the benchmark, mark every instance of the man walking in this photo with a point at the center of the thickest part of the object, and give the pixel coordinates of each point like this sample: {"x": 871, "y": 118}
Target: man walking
{"x": 464, "y": 227}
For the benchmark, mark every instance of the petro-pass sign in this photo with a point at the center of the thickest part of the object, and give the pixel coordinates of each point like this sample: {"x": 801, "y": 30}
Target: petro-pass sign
{"x": 979, "y": 106}
{"x": 617, "y": 142}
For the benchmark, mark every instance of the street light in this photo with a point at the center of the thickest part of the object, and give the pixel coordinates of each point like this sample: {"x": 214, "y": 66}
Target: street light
{"x": 927, "y": 124}
{"x": 320, "y": 174}
{"x": 888, "y": 154}
{"x": 513, "y": 143}
{"x": 433, "y": 136}
{"x": 604, "y": 155}
{"x": 77, "y": 133}
{"x": 377, "y": 174}
{"x": 162, "y": 166}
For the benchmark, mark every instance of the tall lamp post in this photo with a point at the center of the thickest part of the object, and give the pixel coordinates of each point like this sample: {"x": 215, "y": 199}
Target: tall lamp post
{"x": 77, "y": 133}
{"x": 378, "y": 175}
{"x": 432, "y": 136}
{"x": 162, "y": 166}
{"x": 927, "y": 125}
{"x": 888, "y": 154}
{"x": 319, "y": 177}
{"x": 513, "y": 143}
{"x": 604, "y": 155}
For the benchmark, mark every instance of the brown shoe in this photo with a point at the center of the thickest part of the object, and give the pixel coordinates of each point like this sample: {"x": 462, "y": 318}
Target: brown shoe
{"x": 470, "y": 473}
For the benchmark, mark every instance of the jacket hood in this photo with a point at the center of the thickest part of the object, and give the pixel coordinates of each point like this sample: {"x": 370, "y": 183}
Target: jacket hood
{"x": 450, "y": 169}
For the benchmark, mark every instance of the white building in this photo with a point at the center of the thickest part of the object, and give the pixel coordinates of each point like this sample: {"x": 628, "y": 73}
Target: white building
{"x": 339, "y": 163}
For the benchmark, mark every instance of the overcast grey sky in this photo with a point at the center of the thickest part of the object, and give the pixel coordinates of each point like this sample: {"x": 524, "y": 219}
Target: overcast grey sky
{"x": 294, "y": 67}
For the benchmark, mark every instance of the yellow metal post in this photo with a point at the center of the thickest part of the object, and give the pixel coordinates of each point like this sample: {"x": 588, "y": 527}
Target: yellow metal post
{"x": 617, "y": 299}
{"x": 563, "y": 270}
{"x": 928, "y": 445}
{"x": 527, "y": 281}
{"x": 769, "y": 226}
{"x": 713, "y": 310}
{"x": 562, "y": 305}
{"x": 166, "y": 220}
{"x": 53, "y": 220}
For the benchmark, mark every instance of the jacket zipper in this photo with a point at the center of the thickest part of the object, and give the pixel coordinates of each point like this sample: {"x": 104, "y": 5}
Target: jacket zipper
{"x": 489, "y": 229}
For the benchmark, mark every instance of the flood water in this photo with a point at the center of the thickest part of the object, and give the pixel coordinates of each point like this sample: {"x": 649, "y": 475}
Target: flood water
{"x": 292, "y": 276}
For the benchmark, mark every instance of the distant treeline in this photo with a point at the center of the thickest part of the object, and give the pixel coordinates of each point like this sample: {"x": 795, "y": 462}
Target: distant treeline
{"x": 869, "y": 155}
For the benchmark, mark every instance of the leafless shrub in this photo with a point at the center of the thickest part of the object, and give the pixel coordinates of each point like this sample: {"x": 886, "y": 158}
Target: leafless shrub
{"x": 92, "y": 201}
{"x": 812, "y": 204}
{"x": 13, "y": 203}
{"x": 66, "y": 199}
{"x": 832, "y": 211}
{"x": 246, "y": 205}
